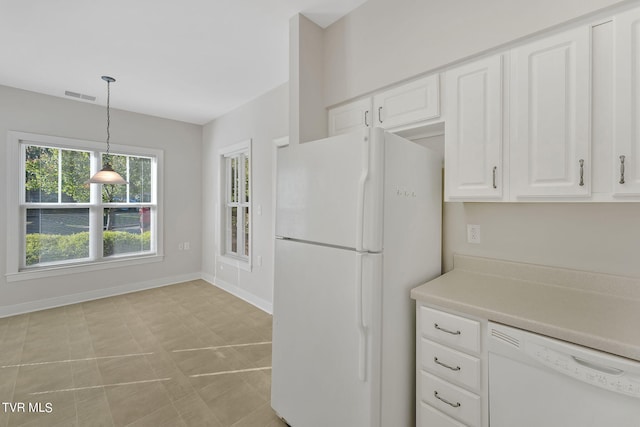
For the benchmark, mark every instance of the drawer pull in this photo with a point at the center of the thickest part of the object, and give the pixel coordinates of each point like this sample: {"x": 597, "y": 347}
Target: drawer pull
{"x": 457, "y": 368}
{"x": 453, "y": 405}
{"x": 435, "y": 325}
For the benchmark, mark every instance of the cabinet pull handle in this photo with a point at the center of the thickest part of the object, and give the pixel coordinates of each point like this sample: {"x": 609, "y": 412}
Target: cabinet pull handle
{"x": 435, "y": 325}
{"x": 380, "y": 114}
{"x": 366, "y": 113}
{"x": 581, "y": 172}
{"x": 453, "y": 405}
{"x": 495, "y": 168}
{"x": 457, "y": 368}
{"x": 622, "y": 169}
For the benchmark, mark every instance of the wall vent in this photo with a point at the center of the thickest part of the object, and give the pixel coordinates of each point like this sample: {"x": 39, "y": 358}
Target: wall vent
{"x": 80, "y": 96}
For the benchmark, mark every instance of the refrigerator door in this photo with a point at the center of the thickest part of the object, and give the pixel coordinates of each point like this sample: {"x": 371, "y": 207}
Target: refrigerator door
{"x": 326, "y": 336}
{"x": 330, "y": 191}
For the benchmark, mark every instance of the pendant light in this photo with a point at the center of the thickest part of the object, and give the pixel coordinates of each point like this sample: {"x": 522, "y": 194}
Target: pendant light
{"x": 107, "y": 175}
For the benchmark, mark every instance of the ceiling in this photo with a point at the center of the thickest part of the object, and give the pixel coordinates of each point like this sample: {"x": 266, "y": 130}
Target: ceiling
{"x": 188, "y": 60}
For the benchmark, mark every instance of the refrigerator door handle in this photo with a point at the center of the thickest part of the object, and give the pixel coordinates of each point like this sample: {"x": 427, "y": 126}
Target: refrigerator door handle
{"x": 362, "y": 325}
{"x": 364, "y": 177}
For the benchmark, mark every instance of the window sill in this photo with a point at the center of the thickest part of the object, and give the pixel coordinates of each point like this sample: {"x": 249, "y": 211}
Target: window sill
{"x": 44, "y": 272}
{"x": 236, "y": 262}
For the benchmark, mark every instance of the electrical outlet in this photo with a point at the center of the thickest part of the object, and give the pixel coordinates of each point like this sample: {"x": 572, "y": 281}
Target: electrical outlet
{"x": 473, "y": 233}
{"x": 187, "y": 246}
{"x": 180, "y": 246}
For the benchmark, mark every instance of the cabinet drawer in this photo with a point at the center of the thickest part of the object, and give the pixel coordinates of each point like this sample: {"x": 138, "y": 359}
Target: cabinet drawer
{"x": 450, "y": 364}
{"x": 450, "y": 399}
{"x": 450, "y": 329}
{"x": 431, "y": 417}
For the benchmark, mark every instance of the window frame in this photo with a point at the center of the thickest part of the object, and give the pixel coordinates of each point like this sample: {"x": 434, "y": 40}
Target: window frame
{"x": 17, "y": 206}
{"x": 225, "y": 204}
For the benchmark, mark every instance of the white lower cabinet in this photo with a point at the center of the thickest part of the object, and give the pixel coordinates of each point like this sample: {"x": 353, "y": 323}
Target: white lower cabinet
{"x": 451, "y": 369}
{"x": 455, "y": 366}
{"x": 431, "y": 417}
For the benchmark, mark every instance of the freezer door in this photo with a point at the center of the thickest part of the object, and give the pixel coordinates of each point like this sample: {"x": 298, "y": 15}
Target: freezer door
{"x": 325, "y": 328}
{"x": 330, "y": 191}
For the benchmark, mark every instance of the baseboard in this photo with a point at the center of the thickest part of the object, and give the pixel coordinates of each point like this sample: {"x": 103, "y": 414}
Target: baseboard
{"x": 262, "y": 304}
{"x": 47, "y": 303}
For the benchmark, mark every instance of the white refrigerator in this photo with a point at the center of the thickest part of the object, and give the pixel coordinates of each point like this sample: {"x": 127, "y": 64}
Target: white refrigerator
{"x": 358, "y": 225}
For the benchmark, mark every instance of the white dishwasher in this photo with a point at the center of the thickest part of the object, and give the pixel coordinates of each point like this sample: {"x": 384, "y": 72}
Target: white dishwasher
{"x": 537, "y": 381}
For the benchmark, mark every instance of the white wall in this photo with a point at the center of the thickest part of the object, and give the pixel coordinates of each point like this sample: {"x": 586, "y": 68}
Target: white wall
{"x": 42, "y": 114}
{"x": 600, "y": 237}
{"x": 262, "y": 120}
{"x": 383, "y": 42}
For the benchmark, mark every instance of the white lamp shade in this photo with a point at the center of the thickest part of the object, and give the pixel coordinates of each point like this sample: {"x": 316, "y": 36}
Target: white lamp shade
{"x": 107, "y": 175}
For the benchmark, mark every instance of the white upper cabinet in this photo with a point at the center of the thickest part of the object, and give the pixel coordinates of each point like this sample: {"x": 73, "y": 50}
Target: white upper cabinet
{"x": 410, "y": 103}
{"x": 351, "y": 116}
{"x": 626, "y": 135}
{"x": 550, "y": 116}
{"x": 473, "y": 131}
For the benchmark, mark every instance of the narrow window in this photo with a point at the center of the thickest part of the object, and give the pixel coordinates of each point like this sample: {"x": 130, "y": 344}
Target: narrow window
{"x": 236, "y": 202}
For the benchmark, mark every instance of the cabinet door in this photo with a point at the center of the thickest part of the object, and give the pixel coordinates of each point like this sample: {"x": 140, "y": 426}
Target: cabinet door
{"x": 550, "y": 116}
{"x": 473, "y": 131}
{"x": 627, "y": 104}
{"x": 413, "y": 102}
{"x": 349, "y": 117}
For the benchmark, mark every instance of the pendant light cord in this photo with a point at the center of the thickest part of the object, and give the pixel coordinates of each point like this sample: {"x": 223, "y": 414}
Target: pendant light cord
{"x": 108, "y": 118}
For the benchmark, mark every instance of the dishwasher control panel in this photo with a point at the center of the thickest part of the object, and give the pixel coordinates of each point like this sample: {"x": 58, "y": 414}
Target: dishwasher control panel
{"x": 597, "y": 373}
{"x": 604, "y": 370}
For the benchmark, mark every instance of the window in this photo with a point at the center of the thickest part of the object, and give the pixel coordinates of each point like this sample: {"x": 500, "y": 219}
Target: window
{"x": 236, "y": 202}
{"x": 59, "y": 220}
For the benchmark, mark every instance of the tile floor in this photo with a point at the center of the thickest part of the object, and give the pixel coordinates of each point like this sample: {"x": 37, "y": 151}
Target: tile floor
{"x": 183, "y": 355}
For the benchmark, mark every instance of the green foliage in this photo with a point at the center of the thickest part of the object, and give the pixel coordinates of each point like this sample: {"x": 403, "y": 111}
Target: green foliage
{"x": 43, "y": 167}
{"x": 52, "y": 247}
{"x": 138, "y": 175}
{"x": 120, "y": 242}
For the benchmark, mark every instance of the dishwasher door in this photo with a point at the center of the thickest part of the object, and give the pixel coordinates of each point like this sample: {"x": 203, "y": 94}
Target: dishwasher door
{"x": 536, "y": 381}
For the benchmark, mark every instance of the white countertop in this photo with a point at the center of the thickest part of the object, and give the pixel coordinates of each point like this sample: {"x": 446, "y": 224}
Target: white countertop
{"x": 591, "y": 309}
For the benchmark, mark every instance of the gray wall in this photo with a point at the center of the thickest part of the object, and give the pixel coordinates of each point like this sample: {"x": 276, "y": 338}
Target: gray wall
{"x": 42, "y": 114}
{"x": 383, "y": 42}
{"x": 262, "y": 120}
{"x": 601, "y": 237}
